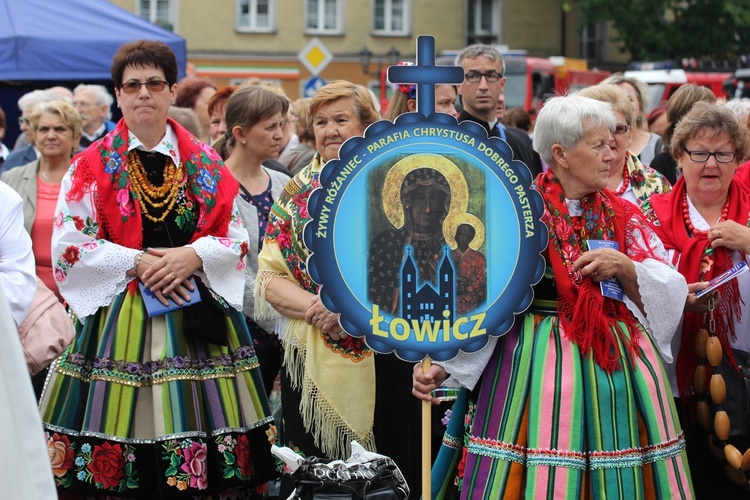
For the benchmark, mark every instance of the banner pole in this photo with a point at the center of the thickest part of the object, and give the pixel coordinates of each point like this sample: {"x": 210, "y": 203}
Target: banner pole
{"x": 426, "y": 440}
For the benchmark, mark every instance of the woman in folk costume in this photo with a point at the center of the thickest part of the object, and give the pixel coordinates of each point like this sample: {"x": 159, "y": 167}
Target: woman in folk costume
{"x": 704, "y": 224}
{"x": 574, "y": 401}
{"x": 629, "y": 179}
{"x": 163, "y": 406}
{"x": 327, "y": 377}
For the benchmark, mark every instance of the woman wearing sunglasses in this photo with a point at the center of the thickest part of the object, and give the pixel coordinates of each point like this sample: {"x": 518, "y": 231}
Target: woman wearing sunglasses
{"x": 629, "y": 179}
{"x": 147, "y": 403}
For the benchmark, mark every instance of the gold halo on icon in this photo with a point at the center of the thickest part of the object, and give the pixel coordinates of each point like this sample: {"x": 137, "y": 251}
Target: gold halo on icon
{"x": 459, "y": 203}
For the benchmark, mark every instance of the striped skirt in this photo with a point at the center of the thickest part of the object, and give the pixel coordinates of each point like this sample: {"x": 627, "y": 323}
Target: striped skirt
{"x": 550, "y": 423}
{"x": 134, "y": 408}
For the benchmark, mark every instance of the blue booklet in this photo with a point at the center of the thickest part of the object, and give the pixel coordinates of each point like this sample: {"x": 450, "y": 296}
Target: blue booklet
{"x": 727, "y": 275}
{"x": 610, "y": 288}
{"x": 156, "y": 308}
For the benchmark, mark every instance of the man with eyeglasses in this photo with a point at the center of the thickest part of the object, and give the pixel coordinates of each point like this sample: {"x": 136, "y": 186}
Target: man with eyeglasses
{"x": 25, "y": 152}
{"x": 480, "y": 91}
{"x": 93, "y": 102}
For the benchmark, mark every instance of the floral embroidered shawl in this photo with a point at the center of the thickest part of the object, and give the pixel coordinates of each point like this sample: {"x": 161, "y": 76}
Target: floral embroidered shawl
{"x": 588, "y": 319}
{"x": 105, "y": 163}
{"x": 644, "y": 180}
{"x": 336, "y": 378}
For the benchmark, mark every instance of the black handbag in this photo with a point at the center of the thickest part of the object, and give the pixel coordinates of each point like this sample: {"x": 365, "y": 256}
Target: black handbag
{"x": 378, "y": 479}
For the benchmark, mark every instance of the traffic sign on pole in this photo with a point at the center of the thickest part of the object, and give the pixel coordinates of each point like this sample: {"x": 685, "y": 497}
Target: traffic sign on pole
{"x": 315, "y": 56}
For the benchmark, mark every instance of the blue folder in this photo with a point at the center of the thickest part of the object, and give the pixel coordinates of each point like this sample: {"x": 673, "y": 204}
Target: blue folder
{"x": 155, "y": 308}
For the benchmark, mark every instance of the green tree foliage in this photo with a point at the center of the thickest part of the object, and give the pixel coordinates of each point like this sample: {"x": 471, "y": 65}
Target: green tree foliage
{"x": 675, "y": 29}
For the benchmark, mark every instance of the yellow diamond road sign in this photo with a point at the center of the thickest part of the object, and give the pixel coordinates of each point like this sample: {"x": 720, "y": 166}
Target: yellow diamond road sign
{"x": 315, "y": 56}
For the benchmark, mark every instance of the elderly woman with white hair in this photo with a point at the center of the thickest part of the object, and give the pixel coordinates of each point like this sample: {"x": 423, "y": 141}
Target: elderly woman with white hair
{"x": 574, "y": 400}
{"x": 94, "y": 104}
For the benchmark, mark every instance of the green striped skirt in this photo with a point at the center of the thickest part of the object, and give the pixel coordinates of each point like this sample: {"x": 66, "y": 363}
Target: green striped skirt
{"x": 550, "y": 423}
{"x": 134, "y": 408}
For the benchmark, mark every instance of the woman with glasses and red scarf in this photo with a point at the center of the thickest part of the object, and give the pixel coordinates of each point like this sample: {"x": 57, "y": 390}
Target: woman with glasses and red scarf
{"x": 629, "y": 179}
{"x": 146, "y": 403}
{"x": 703, "y": 223}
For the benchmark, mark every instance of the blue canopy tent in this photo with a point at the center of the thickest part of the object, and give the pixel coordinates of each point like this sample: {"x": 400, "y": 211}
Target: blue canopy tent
{"x": 71, "y": 39}
{"x": 66, "y": 42}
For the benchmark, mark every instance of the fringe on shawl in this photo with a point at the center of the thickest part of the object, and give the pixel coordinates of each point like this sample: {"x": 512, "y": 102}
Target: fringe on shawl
{"x": 263, "y": 309}
{"x": 330, "y": 433}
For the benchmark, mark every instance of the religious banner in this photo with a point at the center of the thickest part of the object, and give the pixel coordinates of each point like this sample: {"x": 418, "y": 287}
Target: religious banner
{"x": 425, "y": 234}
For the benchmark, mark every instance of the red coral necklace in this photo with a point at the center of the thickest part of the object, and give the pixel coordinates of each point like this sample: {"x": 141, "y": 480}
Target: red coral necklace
{"x": 625, "y": 180}
{"x": 689, "y": 223}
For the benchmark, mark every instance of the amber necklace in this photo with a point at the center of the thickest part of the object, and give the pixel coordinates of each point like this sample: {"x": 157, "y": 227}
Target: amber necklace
{"x": 150, "y": 196}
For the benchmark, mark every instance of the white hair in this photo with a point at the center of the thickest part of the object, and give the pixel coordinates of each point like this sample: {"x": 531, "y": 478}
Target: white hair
{"x": 564, "y": 120}
{"x": 101, "y": 97}
{"x": 31, "y": 99}
{"x": 740, "y": 108}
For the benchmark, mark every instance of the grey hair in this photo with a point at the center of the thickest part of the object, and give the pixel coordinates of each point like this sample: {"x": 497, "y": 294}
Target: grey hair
{"x": 31, "y": 99}
{"x": 740, "y": 108}
{"x": 101, "y": 96}
{"x": 641, "y": 92}
{"x": 564, "y": 120}
{"x": 481, "y": 50}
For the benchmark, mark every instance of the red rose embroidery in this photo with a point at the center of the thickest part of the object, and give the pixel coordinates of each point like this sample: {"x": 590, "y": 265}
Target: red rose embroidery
{"x": 60, "y": 454}
{"x": 244, "y": 460}
{"x": 243, "y": 249}
{"x": 71, "y": 255}
{"x": 78, "y": 222}
{"x": 107, "y": 465}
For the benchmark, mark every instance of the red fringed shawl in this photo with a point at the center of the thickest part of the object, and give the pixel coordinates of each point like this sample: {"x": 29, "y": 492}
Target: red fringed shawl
{"x": 697, "y": 258}
{"x": 590, "y": 320}
{"x": 210, "y": 185}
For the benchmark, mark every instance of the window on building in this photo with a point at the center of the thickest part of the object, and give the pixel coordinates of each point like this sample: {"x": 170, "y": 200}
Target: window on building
{"x": 256, "y": 15}
{"x": 160, "y": 12}
{"x": 324, "y": 16}
{"x": 391, "y": 17}
{"x": 480, "y": 18}
{"x": 593, "y": 41}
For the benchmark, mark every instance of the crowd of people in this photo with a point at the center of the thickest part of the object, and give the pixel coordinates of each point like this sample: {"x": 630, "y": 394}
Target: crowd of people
{"x": 174, "y": 240}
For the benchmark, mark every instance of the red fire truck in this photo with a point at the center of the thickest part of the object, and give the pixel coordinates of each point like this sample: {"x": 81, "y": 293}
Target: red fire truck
{"x": 531, "y": 80}
{"x": 663, "y": 82}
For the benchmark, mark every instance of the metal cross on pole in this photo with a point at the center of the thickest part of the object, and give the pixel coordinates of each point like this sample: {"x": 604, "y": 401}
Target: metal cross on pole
{"x": 426, "y": 75}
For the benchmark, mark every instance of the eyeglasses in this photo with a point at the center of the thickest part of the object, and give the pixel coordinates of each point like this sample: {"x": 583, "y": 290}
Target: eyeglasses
{"x": 703, "y": 156}
{"x": 23, "y": 121}
{"x": 620, "y": 129}
{"x": 134, "y": 86}
{"x": 476, "y": 76}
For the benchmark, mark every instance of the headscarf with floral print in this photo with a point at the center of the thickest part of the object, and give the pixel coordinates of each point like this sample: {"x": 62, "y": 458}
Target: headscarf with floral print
{"x": 585, "y": 315}
{"x": 210, "y": 186}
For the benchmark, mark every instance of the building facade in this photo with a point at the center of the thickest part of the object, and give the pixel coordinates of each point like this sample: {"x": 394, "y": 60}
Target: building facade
{"x": 230, "y": 40}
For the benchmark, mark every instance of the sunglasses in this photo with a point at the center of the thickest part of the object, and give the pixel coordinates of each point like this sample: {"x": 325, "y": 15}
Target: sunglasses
{"x": 134, "y": 86}
{"x": 620, "y": 129}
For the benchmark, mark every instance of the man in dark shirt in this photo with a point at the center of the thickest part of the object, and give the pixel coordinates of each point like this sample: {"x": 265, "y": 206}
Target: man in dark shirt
{"x": 482, "y": 86}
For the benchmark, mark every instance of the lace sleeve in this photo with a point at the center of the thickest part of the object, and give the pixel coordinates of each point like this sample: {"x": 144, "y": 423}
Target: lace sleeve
{"x": 89, "y": 271}
{"x": 224, "y": 261}
{"x": 663, "y": 290}
{"x": 466, "y": 368}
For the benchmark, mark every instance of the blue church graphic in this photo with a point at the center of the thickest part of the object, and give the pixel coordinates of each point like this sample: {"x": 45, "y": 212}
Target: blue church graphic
{"x": 426, "y": 302}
